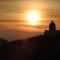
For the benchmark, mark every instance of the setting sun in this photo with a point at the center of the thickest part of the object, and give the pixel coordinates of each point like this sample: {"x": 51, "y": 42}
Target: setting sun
{"x": 33, "y": 17}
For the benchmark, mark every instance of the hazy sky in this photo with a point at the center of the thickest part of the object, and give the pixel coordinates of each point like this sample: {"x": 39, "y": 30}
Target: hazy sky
{"x": 12, "y": 14}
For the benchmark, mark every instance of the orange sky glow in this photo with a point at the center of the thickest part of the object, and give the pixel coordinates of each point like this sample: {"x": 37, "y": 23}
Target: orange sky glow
{"x": 13, "y": 15}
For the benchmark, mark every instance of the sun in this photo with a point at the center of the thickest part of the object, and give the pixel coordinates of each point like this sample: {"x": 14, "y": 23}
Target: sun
{"x": 33, "y": 17}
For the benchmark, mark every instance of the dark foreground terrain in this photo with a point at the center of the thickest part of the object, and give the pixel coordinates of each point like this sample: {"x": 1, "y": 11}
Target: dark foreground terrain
{"x": 36, "y": 48}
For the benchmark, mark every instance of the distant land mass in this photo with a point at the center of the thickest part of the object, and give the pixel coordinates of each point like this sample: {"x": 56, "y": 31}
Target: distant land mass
{"x": 11, "y": 35}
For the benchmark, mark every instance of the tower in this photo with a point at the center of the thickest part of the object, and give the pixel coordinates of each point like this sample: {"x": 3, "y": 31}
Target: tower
{"x": 52, "y": 26}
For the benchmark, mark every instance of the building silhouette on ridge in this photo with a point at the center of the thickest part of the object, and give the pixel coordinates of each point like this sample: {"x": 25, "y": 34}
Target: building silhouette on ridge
{"x": 52, "y": 30}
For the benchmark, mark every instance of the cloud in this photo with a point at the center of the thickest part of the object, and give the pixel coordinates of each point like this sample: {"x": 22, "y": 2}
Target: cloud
{"x": 29, "y": 0}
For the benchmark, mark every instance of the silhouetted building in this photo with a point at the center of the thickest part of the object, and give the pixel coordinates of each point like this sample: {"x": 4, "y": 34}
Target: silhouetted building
{"x": 52, "y": 26}
{"x": 52, "y": 30}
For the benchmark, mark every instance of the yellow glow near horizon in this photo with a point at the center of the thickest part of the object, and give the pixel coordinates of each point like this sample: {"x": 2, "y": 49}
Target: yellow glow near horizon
{"x": 33, "y": 17}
